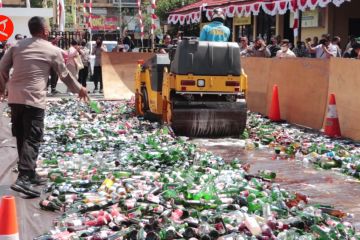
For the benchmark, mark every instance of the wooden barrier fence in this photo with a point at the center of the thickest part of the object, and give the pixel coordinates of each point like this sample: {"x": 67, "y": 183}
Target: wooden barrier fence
{"x": 304, "y": 87}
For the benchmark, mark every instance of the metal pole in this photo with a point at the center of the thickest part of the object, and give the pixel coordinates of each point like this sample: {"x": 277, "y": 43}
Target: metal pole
{"x": 153, "y": 41}
{"x": 300, "y": 26}
{"x": 153, "y": 24}
{"x": 121, "y": 22}
{"x": 55, "y": 14}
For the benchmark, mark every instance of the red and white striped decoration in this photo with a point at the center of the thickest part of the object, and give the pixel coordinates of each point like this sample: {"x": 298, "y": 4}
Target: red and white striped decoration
{"x": 153, "y": 16}
{"x": 84, "y": 12}
{"x": 90, "y": 14}
{"x": 296, "y": 23}
{"x": 247, "y": 9}
{"x": 140, "y": 19}
{"x": 61, "y": 15}
{"x": 87, "y": 14}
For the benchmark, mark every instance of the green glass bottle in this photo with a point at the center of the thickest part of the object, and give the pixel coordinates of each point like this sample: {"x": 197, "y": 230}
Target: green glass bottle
{"x": 267, "y": 174}
{"x": 321, "y": 232}
{"x": 121, "y": 174}
{"x": 95, "y": 106}
{"x": 49, "y": 162}
{"x": 255, "y": 205}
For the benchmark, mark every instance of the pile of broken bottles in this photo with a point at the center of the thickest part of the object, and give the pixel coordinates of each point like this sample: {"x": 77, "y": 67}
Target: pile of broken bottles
{"x": 305, "y": 145}
{"x": 114, "y": 176}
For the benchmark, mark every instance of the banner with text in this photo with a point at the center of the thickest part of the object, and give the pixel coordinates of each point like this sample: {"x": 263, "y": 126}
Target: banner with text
{"x": 104, "y": 23}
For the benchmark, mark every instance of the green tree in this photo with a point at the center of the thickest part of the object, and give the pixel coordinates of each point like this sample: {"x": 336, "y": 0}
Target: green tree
{"x": 164, "y": 7}
{"x": 36, "y": 3}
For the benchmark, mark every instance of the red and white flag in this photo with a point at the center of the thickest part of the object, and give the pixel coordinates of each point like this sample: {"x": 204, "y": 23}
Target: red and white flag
{"x": 153, "y": 16}
{"x": 90, "y": 14}
{"x": 140, "y": 20}
{"x": 87, "y": 14}
{"x": 296, "y": 23}
{"x": 61, "y": 15}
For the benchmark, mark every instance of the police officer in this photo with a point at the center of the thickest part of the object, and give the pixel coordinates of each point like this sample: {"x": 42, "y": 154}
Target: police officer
{"x": 32, "y": 59}
{"x": 216, "y": 31}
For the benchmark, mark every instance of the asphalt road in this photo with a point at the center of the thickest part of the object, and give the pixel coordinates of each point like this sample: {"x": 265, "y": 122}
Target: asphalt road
{"x": 61, "y": 87}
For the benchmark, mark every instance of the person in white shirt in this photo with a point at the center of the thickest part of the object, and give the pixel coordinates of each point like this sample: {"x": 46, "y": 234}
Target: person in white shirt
{"x": 244, "y": 47}
{"x": 336, "y": 42}
{"x": 85, "y": 57}
{"x": 53, "y": 76}
{"x": 325, "y": 49}
{"x": 73, "y": 54}
{"x": 350, "y": 43}
{"x": 285, "y": 51}
{"x": 18, "y": 37}
{"x": 97, "y": 77}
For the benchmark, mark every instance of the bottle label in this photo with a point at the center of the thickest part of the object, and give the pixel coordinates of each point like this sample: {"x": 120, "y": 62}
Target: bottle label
{"x": 90, "y": 204}
{"x": 77, "y": 222}
{"x": 45, "y": 203}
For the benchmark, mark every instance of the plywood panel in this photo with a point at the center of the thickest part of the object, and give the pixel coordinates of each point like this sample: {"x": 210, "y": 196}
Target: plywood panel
{"x": 118, "y": 71}
{"x": 258, "y": 70}
{"x": 303, "y": 89}
{"x": 302, "y": 83}
{"x": 304, "y": 86}
{"x": 345, "y": 84}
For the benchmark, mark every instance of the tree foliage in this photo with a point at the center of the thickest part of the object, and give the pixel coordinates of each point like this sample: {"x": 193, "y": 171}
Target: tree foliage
{"x": 36, "y": 3}
{"x": 164, "y": 7}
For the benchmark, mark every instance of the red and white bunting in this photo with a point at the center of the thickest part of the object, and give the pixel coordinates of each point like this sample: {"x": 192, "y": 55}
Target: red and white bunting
{"x": 339, "y": 2}
{"x": 230, "y": 11}
{"x": 293, "y": 5}
{"x": 280, "y": 7}
{"x": 255, "y": 8}
{"x": 140, "y": 19}
{"x": 240, "y": 10}
{"x": 193, "y": 17}
{"x": 153, "y": 16}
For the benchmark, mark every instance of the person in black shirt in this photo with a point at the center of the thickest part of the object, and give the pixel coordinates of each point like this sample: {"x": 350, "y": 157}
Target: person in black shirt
{"x": 165, "y": 48}
{"x": 274, "y": 46}
{"x": 2, "y": 49}
{"x": 128, "y": 41}
{"x": 300, "y": 50}
{"x": 353, "y": 52}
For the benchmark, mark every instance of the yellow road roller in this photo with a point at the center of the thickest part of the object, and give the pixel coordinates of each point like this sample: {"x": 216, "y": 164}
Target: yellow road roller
{"x": 200, "y": 90}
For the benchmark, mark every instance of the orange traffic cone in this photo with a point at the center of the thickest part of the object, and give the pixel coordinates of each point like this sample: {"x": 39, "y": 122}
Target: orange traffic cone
{"x": 274, "y": 113}
{"x": 332, "y": 125}
{"x": 8, "y": 222}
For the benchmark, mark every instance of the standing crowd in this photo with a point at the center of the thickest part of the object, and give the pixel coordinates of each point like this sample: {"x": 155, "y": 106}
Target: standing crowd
{"x": 77, "y": 57}
{"x": 324, "y": 48}
{"x": 76, "y": 60}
